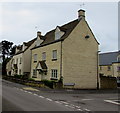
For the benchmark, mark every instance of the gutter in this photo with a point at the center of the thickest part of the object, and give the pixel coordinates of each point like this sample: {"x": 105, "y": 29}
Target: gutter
{"x": 61, "y": 61}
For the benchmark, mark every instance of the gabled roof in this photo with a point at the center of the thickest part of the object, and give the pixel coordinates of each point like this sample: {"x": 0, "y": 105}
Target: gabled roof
{"x": 28, "y": 44}
{"x": 108, "y": 58}
{"x": 50, "y": 36}
{"x": 42, "y": 64}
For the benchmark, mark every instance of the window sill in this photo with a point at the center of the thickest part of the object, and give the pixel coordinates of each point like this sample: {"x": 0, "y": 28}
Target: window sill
{"x": 34, "y": 77}
{"x": 54, "y": 59}
{"x": 44, "y": 60}
{"x": 53, "y": 79}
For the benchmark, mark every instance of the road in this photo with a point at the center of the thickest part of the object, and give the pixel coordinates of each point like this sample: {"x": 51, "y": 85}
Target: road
{"x": 18, "y": 97}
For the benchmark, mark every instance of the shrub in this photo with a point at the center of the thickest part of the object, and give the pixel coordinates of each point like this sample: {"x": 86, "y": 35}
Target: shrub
{"x": 31, "y": 79}
{"x": 18, "y": 76}
{"x": 48, "y": 83}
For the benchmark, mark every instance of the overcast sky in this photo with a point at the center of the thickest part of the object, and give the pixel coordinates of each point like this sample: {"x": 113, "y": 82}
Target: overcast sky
{"x": 20, "y": 21}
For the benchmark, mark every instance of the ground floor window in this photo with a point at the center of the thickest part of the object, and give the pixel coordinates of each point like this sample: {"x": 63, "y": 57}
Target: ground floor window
{"x": 54, "y": 73}
{"x": 34, "y": 73}
{"x": 20, "y": 72}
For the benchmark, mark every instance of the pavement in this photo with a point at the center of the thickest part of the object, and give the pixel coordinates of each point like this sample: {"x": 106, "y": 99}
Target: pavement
{"x": 17, "y": 97}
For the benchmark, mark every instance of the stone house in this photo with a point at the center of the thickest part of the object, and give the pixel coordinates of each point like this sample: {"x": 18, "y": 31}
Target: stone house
{"x": 20, "y": 62}
{"x": 109, "y": 64}
{"x": 70, "y": 52}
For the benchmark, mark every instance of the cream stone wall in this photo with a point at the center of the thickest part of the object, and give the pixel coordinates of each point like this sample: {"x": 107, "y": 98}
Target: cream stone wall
{"x": 104, "y": 70}
{"x": 50, "y": 64}
{"x": 116, "y": 72}
{"x": 20, "y": 66}
{"x": 80, "y": 58}
{"x": 27, "y": 57}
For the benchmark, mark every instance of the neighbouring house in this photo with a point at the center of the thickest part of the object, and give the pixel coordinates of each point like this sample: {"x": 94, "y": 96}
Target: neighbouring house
{"x": 70, "y": 52}
{"x": 20, "y": 62}
{"x": 109, "y": 64}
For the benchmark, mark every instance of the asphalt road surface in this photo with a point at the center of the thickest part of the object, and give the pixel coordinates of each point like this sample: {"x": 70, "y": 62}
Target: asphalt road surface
{"x": 18, "y": 97}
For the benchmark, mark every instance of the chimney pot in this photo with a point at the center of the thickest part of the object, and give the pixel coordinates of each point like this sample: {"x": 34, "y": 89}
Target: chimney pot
{"x": 38, "y": 33}
{"x": 81, "y": 14}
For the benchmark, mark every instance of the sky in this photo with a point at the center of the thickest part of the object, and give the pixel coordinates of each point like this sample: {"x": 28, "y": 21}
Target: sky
{"x": 20, "y": 21}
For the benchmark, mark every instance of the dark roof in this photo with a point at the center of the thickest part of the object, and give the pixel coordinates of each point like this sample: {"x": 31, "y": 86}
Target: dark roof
{"x": 43, "y": 65}
{"x": 50, "y": 36}
{"x": 108, "y": 58}
{"x": 28, "y": 44}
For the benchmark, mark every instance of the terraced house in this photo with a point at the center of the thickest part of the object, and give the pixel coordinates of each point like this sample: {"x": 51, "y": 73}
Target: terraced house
{"x": 70, "y": 52}
{"x": 109, "y": 64}
{"x": 20, "y": 62}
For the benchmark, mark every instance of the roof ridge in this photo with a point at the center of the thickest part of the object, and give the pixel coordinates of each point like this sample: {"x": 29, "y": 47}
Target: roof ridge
{"x": 110, "y": 52}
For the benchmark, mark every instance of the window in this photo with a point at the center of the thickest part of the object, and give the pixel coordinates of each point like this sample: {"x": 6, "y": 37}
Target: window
{"x": 100, "y": 67}
{"x": 20, "y": 60}
{"x": 109, "y": 68}
{"x": 44, "y": 56}
{"x": 17, "y": 61}
{"x": 57, "y": 35}
{"x": 118, "y": 68}
{"x": 54, "y": 55}
{"x": 20, "y": 71}
{"x": 35, "y": 57}
{"x": 118, "y": 59}
{"x": 54, "y": 73}
{"x": 34, "y": 73}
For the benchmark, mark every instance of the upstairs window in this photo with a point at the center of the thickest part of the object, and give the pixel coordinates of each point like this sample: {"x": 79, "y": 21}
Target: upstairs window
{"x": 118, "y": 68}
{"x": 20, "y": 60}
{"x": 35, "y": 57}
{"x": 44, "y": 56}
{"x": 109, "y": 68}
{"x": 57, "y": 35}
{"x": 118, "y": 58}
{"x": 54, "y": 55}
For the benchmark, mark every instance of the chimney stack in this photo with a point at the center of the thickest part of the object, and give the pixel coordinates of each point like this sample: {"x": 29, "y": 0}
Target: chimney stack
{"x": 81, "y": 14}
{"x": 38, "y": 33}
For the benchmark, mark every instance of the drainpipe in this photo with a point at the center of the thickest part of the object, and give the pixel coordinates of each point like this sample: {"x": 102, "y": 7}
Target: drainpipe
{"x": 97, "y": 69}
{"x": 61, "y": 61}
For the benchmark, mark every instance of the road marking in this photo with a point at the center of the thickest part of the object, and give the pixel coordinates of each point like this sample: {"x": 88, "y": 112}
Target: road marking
{"x": 58, "y": 102}
{"x": 30, "y": 88}
{"x": 79, "y": 109}
{"x": 87, "y": 109}
{"x": 41, "y": 97}
{"x": 49, "y": 99}
{"x": 26, "y": 91}
{"x": 77, "y": 106}
{"x": 110, "y": 101}
{"x": 21, "y": 89}
{"x": 64, "y": 102}
{"x": 30, "y": 92}
{"x": 35, "y": 94}
{"x": 66, "y": 105}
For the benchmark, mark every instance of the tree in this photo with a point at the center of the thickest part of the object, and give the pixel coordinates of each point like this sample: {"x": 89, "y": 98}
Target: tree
{"x": 6, "y": 47}
{"x": 12, "y": 50}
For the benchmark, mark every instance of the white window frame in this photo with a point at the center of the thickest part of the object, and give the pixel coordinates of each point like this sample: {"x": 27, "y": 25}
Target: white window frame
{"x": 54, "y": 73}
{"x": 19, "y": 71}
{"x": 57, "y": 35}
{"x": 44, "y": 56}
{"x": 20, "y": 60}
{"x": 54, "y": 54}
{"x": 34, "y": 73}
{"x": 35, "y": 57}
